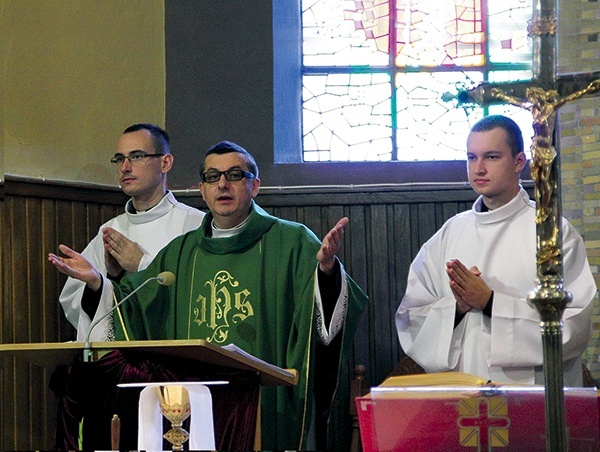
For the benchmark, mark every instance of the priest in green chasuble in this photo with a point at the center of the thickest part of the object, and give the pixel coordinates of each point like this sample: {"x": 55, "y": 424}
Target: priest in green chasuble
{"x": 267, "y": 285}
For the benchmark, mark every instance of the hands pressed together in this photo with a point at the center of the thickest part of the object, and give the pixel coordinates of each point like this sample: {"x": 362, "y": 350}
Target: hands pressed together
{"x": 469, "y": 289}
{"x": 120, "y": 253}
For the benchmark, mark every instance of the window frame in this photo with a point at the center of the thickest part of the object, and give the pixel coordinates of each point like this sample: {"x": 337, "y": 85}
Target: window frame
{"x": 287, "y": 122}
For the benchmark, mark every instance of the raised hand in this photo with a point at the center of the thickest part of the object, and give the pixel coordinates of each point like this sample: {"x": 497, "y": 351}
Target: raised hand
{"x": 76, "y": 266}
{"x": 331, "y": 245}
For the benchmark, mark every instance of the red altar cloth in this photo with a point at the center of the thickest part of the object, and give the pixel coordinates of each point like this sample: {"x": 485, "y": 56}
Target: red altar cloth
{"x": 510, "y": 418}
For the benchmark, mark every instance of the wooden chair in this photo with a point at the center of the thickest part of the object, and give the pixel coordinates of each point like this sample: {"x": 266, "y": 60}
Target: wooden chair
{"x": 407, "y": 366}
{"x": 588, "y": 380}
{"x": 358, "y": 388}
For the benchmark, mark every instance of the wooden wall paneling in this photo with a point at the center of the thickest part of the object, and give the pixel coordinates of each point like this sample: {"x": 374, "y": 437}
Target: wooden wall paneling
{"x": 55, "y": 322}
{"x": 18, "y": 308}
{"x": 287, "y": 212}
{"x": 402, "y": 256}
{"x": 18, "y": 311}
{"x": 94, "y": 219}
{"x": 378, "y": 287}
{"x": 356, "y": 263}
{"x": 37, "y": 409}
{"x": 65, "y": 233}
{"x": 31, "y": 312}
{"x": 79, "y": 226}
{"x": 48, "y": 275}
{"x": 7, "y": 365}
{"x": 23, "y": 396}
{"x": 313, "y": 219}
{"x": 106, "y": 213}
{"x": 449, "y": 209}
{"x": 10, "y": 420}
{"x": 33, "y": 261}
{"x": 391, "y": 266}
{"x": 415, "y": 239}
{"x": 427, "y": 221}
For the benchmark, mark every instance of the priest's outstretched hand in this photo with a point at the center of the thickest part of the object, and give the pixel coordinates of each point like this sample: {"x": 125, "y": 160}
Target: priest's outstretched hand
{"x": 76, "y": 266}
{"x": 330, "y": 246}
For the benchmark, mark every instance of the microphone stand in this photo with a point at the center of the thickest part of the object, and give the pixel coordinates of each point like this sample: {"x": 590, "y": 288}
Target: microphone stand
{"x": 87, "y": 349}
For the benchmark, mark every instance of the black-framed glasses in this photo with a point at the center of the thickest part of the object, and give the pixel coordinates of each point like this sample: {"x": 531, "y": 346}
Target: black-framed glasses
{"x": 134, "y": 157}
{"x": 232, "y": 175}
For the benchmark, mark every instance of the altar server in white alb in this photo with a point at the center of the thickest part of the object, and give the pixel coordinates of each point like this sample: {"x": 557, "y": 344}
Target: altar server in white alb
{"x": 129, "y": 242}
{"x": 465, "y": 307}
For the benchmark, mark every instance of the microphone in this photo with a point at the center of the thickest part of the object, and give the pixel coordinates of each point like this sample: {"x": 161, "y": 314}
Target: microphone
{"x": 164, "y": 279}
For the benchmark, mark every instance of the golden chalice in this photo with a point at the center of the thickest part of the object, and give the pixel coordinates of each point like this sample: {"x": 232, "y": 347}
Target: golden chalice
{"x": 175, "y": 406}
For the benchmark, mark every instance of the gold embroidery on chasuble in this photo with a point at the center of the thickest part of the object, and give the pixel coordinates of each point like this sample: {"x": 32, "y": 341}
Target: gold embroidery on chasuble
{"x": 220, "y": 305}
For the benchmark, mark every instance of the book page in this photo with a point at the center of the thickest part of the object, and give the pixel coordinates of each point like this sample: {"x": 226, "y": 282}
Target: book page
{"x": 435, "y": 379}
{"x": 238, "y": 351}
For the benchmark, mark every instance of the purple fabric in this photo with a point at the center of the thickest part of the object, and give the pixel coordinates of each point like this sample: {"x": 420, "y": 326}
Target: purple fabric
{"x": 89, "y": 390}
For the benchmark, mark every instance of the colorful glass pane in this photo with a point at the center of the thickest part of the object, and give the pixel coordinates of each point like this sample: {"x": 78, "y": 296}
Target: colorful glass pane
{"x": 351, "y": 110}
{"x": 508, "y": 40}
{"x": 429, "y": 128}
{"x": 338, "y": 33}
{"x": 439, "y": 33}
{"x": 347, "y": 117}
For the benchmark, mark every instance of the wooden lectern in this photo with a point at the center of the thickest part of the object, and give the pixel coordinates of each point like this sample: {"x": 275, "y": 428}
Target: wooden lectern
{"x": 176, "y": 360}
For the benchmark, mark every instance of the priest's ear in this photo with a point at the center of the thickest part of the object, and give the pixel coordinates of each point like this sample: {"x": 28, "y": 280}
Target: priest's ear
{"x": 255, "y": 187}
{"x": 520, "y": 162}
{"x": 167, "y": 163}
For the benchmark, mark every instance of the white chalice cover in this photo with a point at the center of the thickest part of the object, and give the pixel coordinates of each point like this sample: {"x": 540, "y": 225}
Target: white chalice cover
{"x": 150, "y": 429}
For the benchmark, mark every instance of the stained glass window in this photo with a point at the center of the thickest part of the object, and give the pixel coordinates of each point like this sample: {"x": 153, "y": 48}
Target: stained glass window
{"x": 378, "y": 76}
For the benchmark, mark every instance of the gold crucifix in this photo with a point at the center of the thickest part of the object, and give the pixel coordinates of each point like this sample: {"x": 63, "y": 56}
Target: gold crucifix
{"x": 543, "y": 96}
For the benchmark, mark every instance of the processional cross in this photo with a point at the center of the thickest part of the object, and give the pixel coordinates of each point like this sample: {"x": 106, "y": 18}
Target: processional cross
{"x": 543, "y": 96}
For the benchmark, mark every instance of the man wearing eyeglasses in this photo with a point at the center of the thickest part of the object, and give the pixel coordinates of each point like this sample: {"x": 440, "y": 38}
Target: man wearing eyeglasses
{"x": 152, "y": 218}
{"x": 267, "y": 285}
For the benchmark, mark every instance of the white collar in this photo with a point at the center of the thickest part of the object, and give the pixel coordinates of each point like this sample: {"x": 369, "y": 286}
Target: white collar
{"x": 219, "y": 233}
{"x": 162, "y": 208}
{"x": 509, "y": 209}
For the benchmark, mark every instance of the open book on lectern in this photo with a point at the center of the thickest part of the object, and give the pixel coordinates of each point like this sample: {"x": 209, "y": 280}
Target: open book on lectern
{"x": 238, "y": 351}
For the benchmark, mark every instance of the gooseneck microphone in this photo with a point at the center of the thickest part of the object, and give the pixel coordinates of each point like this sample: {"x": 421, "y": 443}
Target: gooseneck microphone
{"x": 164, "y": 279}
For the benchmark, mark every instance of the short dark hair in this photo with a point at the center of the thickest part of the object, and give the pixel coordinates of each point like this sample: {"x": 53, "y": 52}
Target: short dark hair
{"x": 226, "y": 147}
{"x": 514, "y": 136}
{"x": 160, "y": 138}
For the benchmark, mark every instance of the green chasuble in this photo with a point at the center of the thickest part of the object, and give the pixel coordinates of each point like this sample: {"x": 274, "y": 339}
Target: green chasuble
{"x": 256, "y": 290}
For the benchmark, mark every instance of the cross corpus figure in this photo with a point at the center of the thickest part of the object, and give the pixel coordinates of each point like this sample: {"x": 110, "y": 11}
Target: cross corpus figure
{"x": 543, "y": 96}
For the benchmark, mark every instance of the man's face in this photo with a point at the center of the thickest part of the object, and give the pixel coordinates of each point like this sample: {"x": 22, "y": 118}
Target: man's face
{"x": 144, "y": 179}
{"x": 493, "y": 171}
{"x": 229, "y": 201}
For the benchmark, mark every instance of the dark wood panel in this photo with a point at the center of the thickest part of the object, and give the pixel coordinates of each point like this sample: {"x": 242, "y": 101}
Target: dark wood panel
{"x": 51, "y": 287}
{"x": 35, "y": 188}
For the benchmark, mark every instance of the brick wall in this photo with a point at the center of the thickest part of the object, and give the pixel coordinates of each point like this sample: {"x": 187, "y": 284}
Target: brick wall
{"x": 579, "y": 51}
